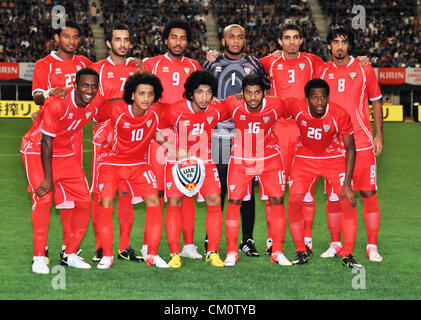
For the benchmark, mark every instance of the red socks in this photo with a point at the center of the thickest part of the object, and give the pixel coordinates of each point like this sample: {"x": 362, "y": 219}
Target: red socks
{"x": 277, "y": 226}
{"x": 349, "y": 226}
{"x": 214, "y": 227}
{"x": 40, "y": 223}
{"x": 296, "y": 220}
{"x": 80, "y": 216}
{"x": 153, "y": 222}
{"x": 187, "y": 219}
{"x": 333, "y": 215}
{"x": 125, "y": 217}
{"x": 232, "y": 225}
{"x": 267, "y": 207}
{"x": 66, "y": 222}
{"x": 308, "y": 215}
{"x": 106, "y": 230}
{"x": 371, "y": 214}
{"x": 95, "y": 216}
{"x": 172, "y": 228}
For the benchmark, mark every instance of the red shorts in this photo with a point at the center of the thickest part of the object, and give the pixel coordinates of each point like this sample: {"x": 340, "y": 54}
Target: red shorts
{"x": 99, "y": 137}
{"x": 68, "y": 177}
{"x": 139, "y": 179}
{"x": 156, "y": 158}
{"x": 287, "y": 133}
{"x": 211, "y": 184}
{"x": 365, "y": 171}
{"x": 78, "y": 146}
{"x": 269, "y": 172}
{"x": 305, "y": 172}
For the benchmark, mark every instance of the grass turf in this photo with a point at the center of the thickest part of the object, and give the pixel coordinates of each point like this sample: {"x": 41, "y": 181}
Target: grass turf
{"x": 397, "y": 277}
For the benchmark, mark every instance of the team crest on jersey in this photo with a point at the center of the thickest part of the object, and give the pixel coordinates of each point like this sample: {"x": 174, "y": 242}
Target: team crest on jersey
{"x": 266, "y": 119}
{"x": 169, "y": 185}
{"x": 58, "y": 71}
{"x": 209, "y": 119}
{"x": 101, "y": 187}
{"x": 126, "y": 125}
{"x": 87, "y": 115}
{"x": 110, "y": 75}
{"x": 247, "y": 70}
{"x": 232, "y": 187}
{"x": 187, "y": 71}
{"x": 352, "y": 75}
{"x": 70, "y": 117}
{"x": 326, "y": 127}
{"x": 78, "y": 68}
{"x": 302, "y": 66}
{"x": 148, "y": 123}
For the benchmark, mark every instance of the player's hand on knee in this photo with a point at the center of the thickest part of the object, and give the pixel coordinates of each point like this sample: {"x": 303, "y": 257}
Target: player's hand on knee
{"x": 348, "y": 193}
{"x": 45, "y": 187}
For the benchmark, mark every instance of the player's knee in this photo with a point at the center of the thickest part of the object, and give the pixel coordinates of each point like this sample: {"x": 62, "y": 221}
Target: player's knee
{"x": 236, "y": 202}
{"x": 213, "y": 199}
{"x": 276, "y": 201}
{"x": 175, "y": 201}
{"x": 367, "y": 193}
{"x": 122, "y": 193}
{"x": 107, "y": 203}
{"x": 152, "y": 201}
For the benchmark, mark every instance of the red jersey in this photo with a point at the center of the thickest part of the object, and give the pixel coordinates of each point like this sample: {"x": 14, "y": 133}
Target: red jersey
{"x": 63, "y": 119}
{"x": 172, "y": 73}
{"x": 113, "y": 77}
{"x": 192, "y": 130}
{"x": 254, "y": 139}
{"x": 351, "y": 87}
{"x": 289, "y": 76}
{"x": 130, "y": 136}
{"x": 53, "y": 72}
{"x": 320, "y": 138}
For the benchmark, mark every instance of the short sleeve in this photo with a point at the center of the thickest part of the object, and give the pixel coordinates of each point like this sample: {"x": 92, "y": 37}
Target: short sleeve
{"x": 373, "y": 88}
{"x": 52, "y": 114}
{"x": 40, "y": 77}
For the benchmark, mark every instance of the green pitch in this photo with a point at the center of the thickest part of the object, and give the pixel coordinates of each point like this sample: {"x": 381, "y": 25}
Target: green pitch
{"x": 397, "y": 277}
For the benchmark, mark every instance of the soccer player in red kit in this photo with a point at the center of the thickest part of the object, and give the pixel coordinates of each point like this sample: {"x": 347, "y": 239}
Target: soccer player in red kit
{"x": 53, "y": 75}
{"x": 173, "y": 68}
{"x": 352, "y": 86}
{"x": 54, "y": 170}
{"x": 288, "y": 73}
{"x": 326, "y": 149}
{"x": 192, "y": 121}
{"x": 124, "y": 158}
{"x": 113, "y": 74}
{"x": 255, "y": 153}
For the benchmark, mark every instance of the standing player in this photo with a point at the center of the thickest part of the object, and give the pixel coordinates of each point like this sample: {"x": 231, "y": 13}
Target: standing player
{"x": 255, "y": 153}
{"x": 53, "y": 75}
{"x": 327, "y": 149}
{"x": 230, "y": 68}
{"x": 113, "y": 74}
{"x": 173, "y": 69}
{"x": 192, "y": 121}
{"x": 52, "y": 165}
{"x": 352, "y": 86}
{"x": 124, "y": 159}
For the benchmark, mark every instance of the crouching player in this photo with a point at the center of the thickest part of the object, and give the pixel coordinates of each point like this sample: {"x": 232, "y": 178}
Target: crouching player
{"x": 123, "y": 158}
{"x": 54, "y": 170}
{"x": 255, "y": 153}
{"x": 192, "y": 120}
{"x": 326, "y": 149}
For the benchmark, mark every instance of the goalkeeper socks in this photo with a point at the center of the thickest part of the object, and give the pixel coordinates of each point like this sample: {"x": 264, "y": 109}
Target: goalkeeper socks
{"x": 153, "y": 222}
{"x": 125, "y": 217}
{"x": 80, "y": 215}
{"x": 296, "y": 220}
{"x": 106, "y": 230}
{"x": 308, "y": 215}
{"x": 333, "y": 215}
{"x": 232, "y": 225}
{"x": 187, "y": 219}
{"x": 349, "y": 226}
{"x": 172, "y": 228}
{"x": 371, "y": 214}
{"x": 278, "y": 226}
{"x": 40, "y": 223}
{"x": 214, "y": 227}
{"x": 95, "y": 216}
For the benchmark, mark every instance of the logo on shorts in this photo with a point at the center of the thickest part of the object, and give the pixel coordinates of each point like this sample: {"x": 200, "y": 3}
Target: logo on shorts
{"x": 101, "y": 187}
{"x": 290, "y": 182}
{"x": 326, "y": 127}
{"x": 148, "y": 123}
{"x": 232, "y": 187}
{"x": 209, "y": 119}
{"x": 169, "y": 185}
{"x": 266, "y": 119}
{"x": 187, "y": 71}
{"x": 352, "y": 75}
{"x": 87, "y": 115}
{"x": 301, "y": 66}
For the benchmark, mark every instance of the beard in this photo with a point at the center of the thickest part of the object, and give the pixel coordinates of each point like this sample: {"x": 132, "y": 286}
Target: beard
{"x": 234, "y": 53}
{"x": 115, "y": 52}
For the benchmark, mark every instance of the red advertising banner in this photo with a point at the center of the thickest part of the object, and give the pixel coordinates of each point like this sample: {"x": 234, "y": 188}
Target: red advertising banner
{"x": 9, "y": 70}
{"x": 391, "y": 75}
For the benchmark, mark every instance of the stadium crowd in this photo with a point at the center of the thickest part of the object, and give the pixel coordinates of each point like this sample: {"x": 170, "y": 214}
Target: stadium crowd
{"x": 26, "y": 34}
{"x": 392, "y": 37}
